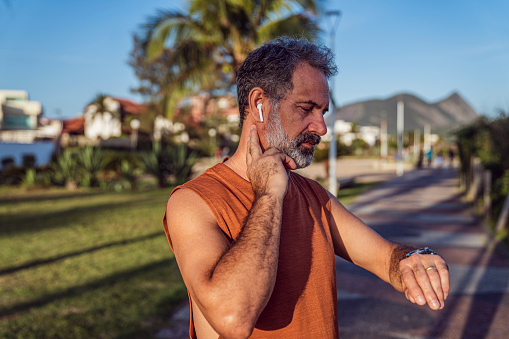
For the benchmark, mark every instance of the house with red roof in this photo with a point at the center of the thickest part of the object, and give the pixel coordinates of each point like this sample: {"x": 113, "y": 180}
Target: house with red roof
{"x": 106, "y": 119}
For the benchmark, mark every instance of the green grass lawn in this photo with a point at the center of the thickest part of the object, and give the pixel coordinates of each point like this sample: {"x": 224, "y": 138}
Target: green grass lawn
{"x": 348, "y": 194}
{"x": 87, "y": 264}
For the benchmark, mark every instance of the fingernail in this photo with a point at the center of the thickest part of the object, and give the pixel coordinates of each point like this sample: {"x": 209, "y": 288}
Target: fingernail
{"x": 252, "y": 127}
{"x": 435, "y": 304}
{"x": 446, "y": 295}
{"x": 421, "y": 300}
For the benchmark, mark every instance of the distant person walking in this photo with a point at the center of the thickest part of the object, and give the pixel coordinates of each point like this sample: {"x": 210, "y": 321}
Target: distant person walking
{"x": 439, "y": 160}
{"x": 420, "y": 159}
{"x": 451, "y": 157}
{"x": 429, "y": 157}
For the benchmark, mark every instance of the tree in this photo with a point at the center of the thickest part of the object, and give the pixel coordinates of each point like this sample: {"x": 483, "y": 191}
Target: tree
{"x": 100, "y": 103}
{"x": 203, "y": 48}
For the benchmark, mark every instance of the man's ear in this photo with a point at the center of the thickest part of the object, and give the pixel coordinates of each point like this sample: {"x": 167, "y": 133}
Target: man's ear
{"x": 257, "y": 102}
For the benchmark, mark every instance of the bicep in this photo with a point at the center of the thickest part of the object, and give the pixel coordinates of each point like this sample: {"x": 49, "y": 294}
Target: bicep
{"x": 355, "y": 241}
{"x": 198, "y": 242}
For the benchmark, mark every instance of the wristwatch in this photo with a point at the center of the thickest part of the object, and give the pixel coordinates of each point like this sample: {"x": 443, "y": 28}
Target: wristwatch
{"x": 424, "y": 250}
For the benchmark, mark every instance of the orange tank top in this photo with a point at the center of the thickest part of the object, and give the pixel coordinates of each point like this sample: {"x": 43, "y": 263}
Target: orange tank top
{"x": 304, "y": 302}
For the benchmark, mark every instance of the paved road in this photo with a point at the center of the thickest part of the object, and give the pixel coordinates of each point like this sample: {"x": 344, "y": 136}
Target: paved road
{"x": 422, "y": 208}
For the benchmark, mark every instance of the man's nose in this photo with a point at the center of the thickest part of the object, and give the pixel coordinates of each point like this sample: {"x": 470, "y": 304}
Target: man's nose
{"x": 317, "y": 125}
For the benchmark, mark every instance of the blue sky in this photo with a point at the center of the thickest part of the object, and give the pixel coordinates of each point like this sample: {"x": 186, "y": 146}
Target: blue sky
{"x": 65, "y": 52}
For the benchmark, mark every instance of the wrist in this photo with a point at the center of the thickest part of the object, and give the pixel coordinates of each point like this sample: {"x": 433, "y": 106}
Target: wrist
{"x": 398, "y": 253}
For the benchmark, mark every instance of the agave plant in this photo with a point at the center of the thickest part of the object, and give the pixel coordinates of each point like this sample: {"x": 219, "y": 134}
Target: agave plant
{"x": 92, "y": 161}
{"x": 129, "y": 173}
{"x": 173, "y": 163}
{"x": 182, "y": 160}
{"x": 30, "y": 179}
{"x": 66, "y": 169}
{"x": 155, "y": 164}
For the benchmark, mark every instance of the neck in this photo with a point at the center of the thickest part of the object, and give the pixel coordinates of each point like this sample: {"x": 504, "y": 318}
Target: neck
{"x": 237, "y": 165}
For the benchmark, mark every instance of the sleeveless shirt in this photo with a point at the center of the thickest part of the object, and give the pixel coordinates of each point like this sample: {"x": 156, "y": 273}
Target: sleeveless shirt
{"x": 303, "y": 303}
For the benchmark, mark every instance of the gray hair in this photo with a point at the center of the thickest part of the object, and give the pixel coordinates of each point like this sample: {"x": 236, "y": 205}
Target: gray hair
{"x": 271, "y": 67}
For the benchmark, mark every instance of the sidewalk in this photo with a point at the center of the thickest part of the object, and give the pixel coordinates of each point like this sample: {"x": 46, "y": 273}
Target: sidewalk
{"x": 424, "y": 208}
{"x": 421, "y": 208}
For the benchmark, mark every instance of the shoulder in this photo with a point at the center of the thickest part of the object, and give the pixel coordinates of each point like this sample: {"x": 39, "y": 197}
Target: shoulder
{"x": 310, "y": 186}
{"x": 185, "y": 207}
{"x": 188, "y": 205}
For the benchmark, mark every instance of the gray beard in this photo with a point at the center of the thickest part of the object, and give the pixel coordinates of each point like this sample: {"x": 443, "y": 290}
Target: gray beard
{"x": 278, "y": 138}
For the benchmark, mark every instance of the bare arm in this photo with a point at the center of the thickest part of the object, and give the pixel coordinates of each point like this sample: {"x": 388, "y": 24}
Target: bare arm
{"x": 358, "y": 243}
{"x": 232, "y": 284}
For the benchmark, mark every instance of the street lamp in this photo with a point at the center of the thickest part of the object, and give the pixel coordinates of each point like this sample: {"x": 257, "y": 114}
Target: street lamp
{"x": 135, "y": 125}
{"x": 333, "y": 183}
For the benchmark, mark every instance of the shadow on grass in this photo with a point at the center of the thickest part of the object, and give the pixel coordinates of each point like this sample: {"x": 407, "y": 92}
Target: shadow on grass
{"x": 89, "y": 287}
{"x": 38, "y": 196}
{"x": 40, "y": 262}
{"x": 40, "y": 220}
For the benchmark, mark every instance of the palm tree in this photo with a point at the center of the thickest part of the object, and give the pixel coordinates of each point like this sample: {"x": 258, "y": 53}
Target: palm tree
{"x": 203, "y": 48}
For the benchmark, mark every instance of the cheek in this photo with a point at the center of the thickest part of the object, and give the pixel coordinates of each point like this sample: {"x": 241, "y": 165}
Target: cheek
{"x": 295, "y": 125}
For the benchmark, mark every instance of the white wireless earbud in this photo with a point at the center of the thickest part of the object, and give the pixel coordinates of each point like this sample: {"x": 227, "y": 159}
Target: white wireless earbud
{"x": 259, "y": 106}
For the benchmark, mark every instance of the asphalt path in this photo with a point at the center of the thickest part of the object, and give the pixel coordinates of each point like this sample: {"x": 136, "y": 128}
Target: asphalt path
{"x": 425, "y": 208}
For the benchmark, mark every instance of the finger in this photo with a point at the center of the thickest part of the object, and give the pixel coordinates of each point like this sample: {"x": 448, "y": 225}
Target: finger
{"x": 256, "y": 149}
{"x": 289, "y": 162}
{"x": 253, "y": 146}
{"x": 413, "y": 291}
{"x": 436, "y": 283}
{"x": 426, "y": 286}
{"x": 443, "y": 271}
{"x": 409, "y": 297}
{"x": 407, "y": 293}
{"x": 419, "y": 286}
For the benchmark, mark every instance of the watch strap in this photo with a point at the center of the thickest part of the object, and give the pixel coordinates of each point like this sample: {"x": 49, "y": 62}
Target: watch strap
{"x": 424, "y": 250}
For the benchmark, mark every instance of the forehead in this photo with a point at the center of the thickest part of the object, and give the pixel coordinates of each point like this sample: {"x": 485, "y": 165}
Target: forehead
{"x": 310, "y": 84}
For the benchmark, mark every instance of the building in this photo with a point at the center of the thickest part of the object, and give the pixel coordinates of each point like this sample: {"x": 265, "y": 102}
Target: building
{"x": 17, "y": 112}
{"x": 347, "y": 133}
{"x": 198, "y": 107}
{"x": 26, "y": 138}
{"x": 20, "y": 119}
{"x": 103, "y": 120}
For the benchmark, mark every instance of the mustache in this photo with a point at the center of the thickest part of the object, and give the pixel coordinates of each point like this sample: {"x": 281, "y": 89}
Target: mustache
{"x": 308, "y": 137}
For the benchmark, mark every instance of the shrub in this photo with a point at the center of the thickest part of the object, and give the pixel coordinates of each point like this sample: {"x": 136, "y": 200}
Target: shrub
{"x": 66, "y": 169}
{"x": 488, "y": 140}
{"x": 170, "y": 164}
{"x": 91, "y": 162}
{"x": 129, "y": 172}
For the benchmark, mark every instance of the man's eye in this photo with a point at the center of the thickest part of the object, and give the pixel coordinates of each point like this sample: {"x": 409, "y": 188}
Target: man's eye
{"x": 307, "y": 110}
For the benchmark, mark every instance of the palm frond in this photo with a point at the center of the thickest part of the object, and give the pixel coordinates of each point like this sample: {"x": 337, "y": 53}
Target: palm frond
{"x": 203, "y": 48}
{"x": 293, "y": 25}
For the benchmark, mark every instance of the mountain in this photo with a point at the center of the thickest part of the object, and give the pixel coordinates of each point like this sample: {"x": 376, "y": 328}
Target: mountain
{"x": 442, "y": 116}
